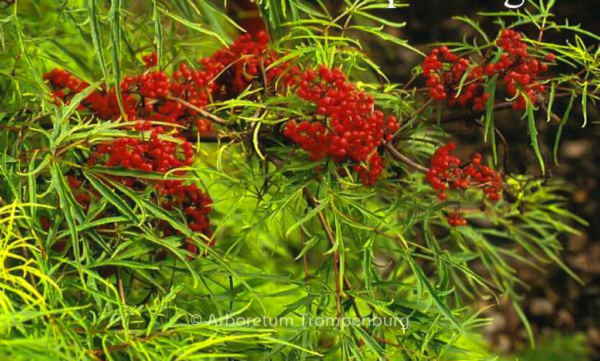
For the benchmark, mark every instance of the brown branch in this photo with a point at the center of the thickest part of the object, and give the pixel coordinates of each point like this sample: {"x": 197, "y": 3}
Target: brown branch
{"x": 469, "y": 114}
{"x": 10, "y": 127}
{"x": 313, "y": 203}
{"x": 210, "y": 137}
{"x": 404, "y": 159}
{"x": 497, "y": 107}
{"x": 120, "y": 286}
{"x": 307, "y": 274}
{"x": 200, "y": 111}
{"x": 553, "y": 115}
{"x": 347, "y": 285}
{"x": 502, "y": 140}
{"x": 410, "y": 81}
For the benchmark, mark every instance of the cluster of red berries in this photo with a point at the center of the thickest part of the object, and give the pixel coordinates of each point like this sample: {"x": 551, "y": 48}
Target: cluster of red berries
{"x": 150, "y": 60}
{"x": 195, "y": 205}
{"x": 369, "y": 173}
{"x": 64, "y": 85}
{"x": 445, "y": 72}
{"x": 152, "y": 155}
{"x": 520, "y": 69}
{"x": 152, "y": 94}
{"x": 147, "y": 96}
{"x": 447, "y": 172}
{"x": 459, "y": 81}
{"x": 248, "y": 60}
{"x": 345, "y": 125}
{"x": 455, "y": 219}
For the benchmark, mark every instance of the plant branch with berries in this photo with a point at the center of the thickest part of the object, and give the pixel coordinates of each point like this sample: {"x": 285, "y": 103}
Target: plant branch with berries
{"x": 176, "y": 170}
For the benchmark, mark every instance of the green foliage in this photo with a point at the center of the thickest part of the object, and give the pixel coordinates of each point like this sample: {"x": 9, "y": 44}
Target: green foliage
{"x": 555, "y": 348}
{"x": 289, "y": 244}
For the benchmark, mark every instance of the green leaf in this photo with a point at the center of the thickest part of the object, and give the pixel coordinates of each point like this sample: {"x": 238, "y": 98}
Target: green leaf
{"x": 441, "y": 305}
{"x": 533, "y": 134}
{"x": 115, "y": 17}
{"x": 96, "y": 38}
{"x": 198, "y": 27}
{"x": 158, "y": 33}
{"x": 563, "y": 122}
{"x": 98, "y": 184}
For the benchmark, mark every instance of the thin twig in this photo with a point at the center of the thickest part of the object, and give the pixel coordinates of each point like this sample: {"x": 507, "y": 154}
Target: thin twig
{"x": 410, "y": 81}
{"x": 210, "y": 137}
{"x": 10, "y": 127}
{"x": 416, "y": 113}
{"x": 553, "y": 115}
{"x": 403, "y": 159}
{"x": 313, "y": 203}
{"x": 307, "y": 274}
{"x": 469, "y": 114}
{"x": 502, "y": 140}
{"x": 200, "y": 111}
{"x": 120, "y": 285}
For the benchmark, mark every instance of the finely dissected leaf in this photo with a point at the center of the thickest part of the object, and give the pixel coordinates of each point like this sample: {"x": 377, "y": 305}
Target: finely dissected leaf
{"x": 97, "y": 38}
{"x": 489, "y": 116}
{"x": 533, "y": 135}
{"x": 98, "y": 184}
{"x": 563, "y": 122}
{"x": 197, "y": 27}
{"x": 71, "y": 209}
{"x": 158, "y": 32}
{"x": 309, "y": 215}
{"x": 115, "y": 37}
{"x": 434, "y": 295}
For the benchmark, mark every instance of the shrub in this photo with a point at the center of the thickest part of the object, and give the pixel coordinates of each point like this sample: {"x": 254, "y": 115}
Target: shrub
{"x": 171, "y": 190}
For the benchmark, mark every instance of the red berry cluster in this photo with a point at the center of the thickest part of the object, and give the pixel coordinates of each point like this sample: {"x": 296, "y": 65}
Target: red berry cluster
{"x": 152, "y": 155}
{"x": 153, "y": 96}
{"x": 344, "y": 125}
{"x": 158, "y": 156}
{"x": 447, "y": 172}
{"x": 248, "y": 60}
{"x": 448, "y": 74}
{"x": 455, "y": 219}
{"x": 520, "y": 69}
{"x": 192, "y": 201}
{"x": 64, "y": 85}
{"x": 146, "y": 96}
{"x": 445, "y": 72}
{"x": 151, "y": 59}
{"x": 370, "y": 173}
